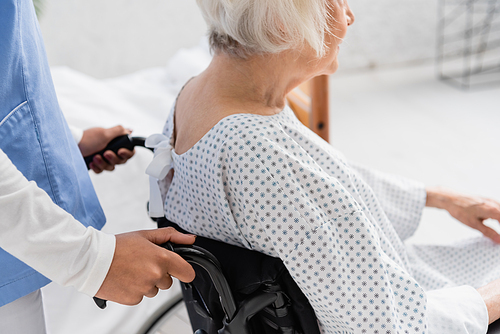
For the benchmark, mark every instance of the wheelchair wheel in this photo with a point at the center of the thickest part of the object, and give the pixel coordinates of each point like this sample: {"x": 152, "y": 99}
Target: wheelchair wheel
{"x": 173, "y": 320}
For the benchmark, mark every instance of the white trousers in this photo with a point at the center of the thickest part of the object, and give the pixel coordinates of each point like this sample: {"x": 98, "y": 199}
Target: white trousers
{"x": 23, "y": 316}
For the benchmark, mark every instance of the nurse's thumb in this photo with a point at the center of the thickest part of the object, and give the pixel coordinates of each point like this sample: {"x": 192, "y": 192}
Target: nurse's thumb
{"x": 116, "y": 131}
{"x": 176, "y": 266}
{"x": 162, "y": 235}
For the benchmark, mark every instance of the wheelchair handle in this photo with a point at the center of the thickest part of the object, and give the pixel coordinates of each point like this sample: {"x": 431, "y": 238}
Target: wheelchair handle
{"x": 204, "y": 259}
{"x": 123, "y": 141}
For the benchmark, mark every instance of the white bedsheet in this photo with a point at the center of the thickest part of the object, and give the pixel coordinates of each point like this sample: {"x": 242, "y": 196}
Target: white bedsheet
{"x": 140, "y": 101}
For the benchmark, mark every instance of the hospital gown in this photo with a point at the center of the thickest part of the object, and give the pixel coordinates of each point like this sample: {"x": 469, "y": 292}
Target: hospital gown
{"x": 270, "y": 184}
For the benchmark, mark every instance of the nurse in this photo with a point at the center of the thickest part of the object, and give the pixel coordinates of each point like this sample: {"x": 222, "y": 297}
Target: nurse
{"x": 49, "y": 213}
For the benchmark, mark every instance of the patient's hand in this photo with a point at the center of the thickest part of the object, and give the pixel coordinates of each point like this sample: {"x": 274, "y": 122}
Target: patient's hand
{"x": 96, "y": 139}
{"x": 470, "y": 210}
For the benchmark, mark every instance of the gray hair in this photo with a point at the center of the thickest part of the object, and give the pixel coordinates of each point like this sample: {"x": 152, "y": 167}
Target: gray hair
{"x": 247, "y": 27}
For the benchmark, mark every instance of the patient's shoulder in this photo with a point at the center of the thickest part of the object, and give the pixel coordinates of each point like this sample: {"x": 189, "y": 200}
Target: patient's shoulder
{"x": 219, "y": 127}
{"x": 197, "y": 116}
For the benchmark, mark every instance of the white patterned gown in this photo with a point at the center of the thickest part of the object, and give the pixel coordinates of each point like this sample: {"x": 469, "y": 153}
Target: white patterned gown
{"x": 270, "y": 184}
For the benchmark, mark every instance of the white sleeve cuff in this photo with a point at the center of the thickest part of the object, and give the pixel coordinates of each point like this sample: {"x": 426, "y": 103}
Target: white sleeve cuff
{"x": 456, "y": 310}
{"x": 105, "y": 253}
{"x": 76, "y": 133}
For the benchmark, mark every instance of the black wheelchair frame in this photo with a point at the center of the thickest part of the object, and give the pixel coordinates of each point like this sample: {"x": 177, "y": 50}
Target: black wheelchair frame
{"x": 240, "y": 291}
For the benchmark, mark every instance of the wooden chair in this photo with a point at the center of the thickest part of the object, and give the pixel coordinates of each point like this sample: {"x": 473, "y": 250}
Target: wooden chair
{"x": 309, "y": 101}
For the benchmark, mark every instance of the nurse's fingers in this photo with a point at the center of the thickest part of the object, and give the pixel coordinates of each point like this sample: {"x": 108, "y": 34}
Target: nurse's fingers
{"x": 120, "y": 158}
{"x": 165, "y": 283}
{"x": 175, "y": 265}
{"x": 153, "y": 292}
{"x": 179, "y": 268}
{"x": 95, "y": 167}
{"x": 98, "y": 165}
{"x": 112, "y": 158}
{"x": 125, "y": 154}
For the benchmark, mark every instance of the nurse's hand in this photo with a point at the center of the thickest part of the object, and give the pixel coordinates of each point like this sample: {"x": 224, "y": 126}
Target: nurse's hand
{"x": 140, "y": 267}
{"x": 470, "y": 210}
{"x": 96, "y": 139}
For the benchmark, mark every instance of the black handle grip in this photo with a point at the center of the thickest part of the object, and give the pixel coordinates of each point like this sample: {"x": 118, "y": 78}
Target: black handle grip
{"x": 123, "y": 141}
{"x": 100, "y": 302}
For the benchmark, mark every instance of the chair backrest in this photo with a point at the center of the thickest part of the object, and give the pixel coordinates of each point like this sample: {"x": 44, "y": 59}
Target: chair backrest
{"x": 310, "y": 102}
{"x": 260, "y": 286}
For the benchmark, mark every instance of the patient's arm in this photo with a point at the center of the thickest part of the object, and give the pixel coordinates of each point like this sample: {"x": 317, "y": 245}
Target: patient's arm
{"x": 491, "y": 295}
{"x": 470, "y": 210}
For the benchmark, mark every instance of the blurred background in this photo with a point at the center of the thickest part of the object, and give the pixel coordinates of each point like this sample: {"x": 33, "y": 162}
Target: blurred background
{"x": 115, "y": 37}
{"x": 123, "y": 62}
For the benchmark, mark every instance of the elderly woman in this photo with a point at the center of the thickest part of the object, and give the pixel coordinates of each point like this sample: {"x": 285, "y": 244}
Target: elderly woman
{"x": 247, "y": 172}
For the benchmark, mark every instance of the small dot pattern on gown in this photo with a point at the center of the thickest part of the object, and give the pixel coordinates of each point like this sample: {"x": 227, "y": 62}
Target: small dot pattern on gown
{"x": 270, "y": 184}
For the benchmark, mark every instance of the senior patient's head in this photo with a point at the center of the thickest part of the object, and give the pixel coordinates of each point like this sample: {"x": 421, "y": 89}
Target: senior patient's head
{"x": 305, "y": 32}
{"x": 262, "y": 50}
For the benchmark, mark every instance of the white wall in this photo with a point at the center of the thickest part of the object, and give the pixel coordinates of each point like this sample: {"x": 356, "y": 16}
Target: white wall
{"x": 106, "y": 38}
{"x": 390, "y": 33}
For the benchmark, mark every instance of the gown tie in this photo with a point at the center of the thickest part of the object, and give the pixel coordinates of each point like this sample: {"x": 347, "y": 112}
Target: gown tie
{"x": 157, "y": 171}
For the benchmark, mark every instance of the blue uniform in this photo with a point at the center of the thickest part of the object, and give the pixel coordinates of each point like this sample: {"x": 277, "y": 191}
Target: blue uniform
{"x": 35, "y": 136}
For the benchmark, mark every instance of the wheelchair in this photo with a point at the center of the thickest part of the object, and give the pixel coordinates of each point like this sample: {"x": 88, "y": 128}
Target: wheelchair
{"x": 240, "y": 291}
